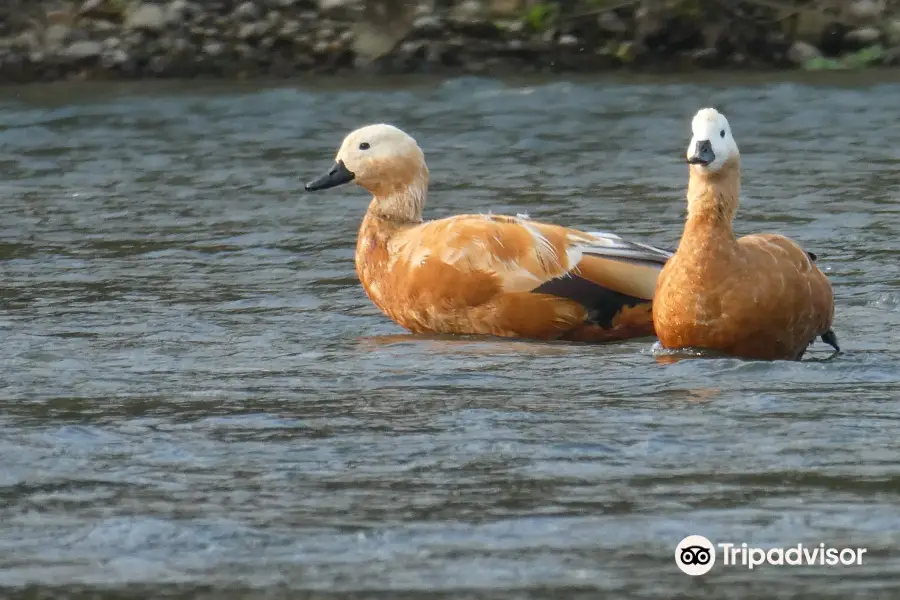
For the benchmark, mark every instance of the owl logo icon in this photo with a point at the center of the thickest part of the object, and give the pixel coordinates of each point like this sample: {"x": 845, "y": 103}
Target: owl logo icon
{"x": 695, "y": 555}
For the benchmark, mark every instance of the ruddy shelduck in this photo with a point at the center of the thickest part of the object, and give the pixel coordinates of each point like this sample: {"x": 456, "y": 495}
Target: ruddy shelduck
{"x": 757, "y": 297}
{"x": 482, "y": 274}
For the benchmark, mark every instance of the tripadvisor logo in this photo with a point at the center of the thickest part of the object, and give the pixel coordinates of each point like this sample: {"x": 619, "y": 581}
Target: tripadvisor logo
{"x": 696, "y": 555}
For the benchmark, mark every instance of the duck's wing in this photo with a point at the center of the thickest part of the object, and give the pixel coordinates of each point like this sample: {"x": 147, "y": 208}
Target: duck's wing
{"x": 522, "y": 255}
{"x": 783, "y": 247}
{"x": 604, "y": 243}
{"x": 814, "y": 299}
{"x": 627, "y": 267}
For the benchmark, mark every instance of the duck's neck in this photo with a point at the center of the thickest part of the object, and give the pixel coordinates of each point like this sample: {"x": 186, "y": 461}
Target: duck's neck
{"x": 393, "y": 209}
{"x": 712, "y": 203}
{"x": 400, "y": 203}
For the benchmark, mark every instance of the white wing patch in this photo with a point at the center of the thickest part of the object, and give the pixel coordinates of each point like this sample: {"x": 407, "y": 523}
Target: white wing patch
{"x": 603, "y": 243}
{"x": 517, "y": 279}
{"x": 546, "y": 253}
{"x": 574, "y": 254}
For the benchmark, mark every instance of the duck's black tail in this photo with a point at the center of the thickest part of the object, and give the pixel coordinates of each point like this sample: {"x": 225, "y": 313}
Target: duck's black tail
{"x": 831, "y": 339}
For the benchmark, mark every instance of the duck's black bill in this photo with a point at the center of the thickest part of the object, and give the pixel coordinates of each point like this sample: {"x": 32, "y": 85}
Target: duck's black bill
{"x": 703, "y": 154}
{"x": 338, "y": 175}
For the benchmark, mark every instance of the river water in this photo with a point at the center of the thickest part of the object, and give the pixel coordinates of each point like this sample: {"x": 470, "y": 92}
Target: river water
{"x": 198, "y": 401}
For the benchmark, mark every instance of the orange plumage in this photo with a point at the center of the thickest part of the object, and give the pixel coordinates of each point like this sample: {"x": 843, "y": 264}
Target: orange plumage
{"x": 485, "y": 274}
{"x": 757, "y": 297}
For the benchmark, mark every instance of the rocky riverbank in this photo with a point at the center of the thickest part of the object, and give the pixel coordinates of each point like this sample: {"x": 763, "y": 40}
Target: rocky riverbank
{"x": 42, "y": 40}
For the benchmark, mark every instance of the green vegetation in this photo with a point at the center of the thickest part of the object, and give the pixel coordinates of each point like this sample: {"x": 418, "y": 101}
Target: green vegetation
{"x": 867, "y": 57}
{"x": 541, "y": 16}
{"x": 741, "y": 22}
{"x": 97, "y": 39}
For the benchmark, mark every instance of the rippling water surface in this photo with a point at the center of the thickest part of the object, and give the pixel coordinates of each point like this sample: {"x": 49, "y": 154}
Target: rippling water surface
{"x": 198, "y": 400}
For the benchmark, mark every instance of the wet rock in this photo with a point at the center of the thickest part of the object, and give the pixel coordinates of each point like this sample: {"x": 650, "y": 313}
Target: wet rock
{"x": 178, "y": 10}
{"x": 893, "y": 31}
{"x": 288, "y": 30}
{"x": 255, "y": 37}
{"x": 158, "y": 64}
{"x": 103, "y": 26}
{"x": 320, "y": 48}
{"x": 252, "y": 31}
{"x": 334, "y": 6}
{"x": 382, "y": 26}
{"x": 609, "y": 21}
{"x": 135, "y": 38}
{"x": 706, "y": 58}
{"x": 113, "y": 58}
{"x": 178, "y": 47}
{"x": 505, "y": 8}
{"x": 91, "y": 8}
{"x": 412, "y": 54}
{"x": 273, "y": 21}
{"x": 802, "y": 52}
{"x": 244, "y": 51}
{"x": 146, "y": 17}
{"x": 485, "y": 31}
{"x": 866, "y": 10}
{"x": 59, "y": 17}
{"x": 213, "y": 49}
{"x": 427, "y": 26}
{"x": 56, "y": 35}
{"x": 864, "y": 36}
{"x": 101, "y": 9}
{"x": 515, "y": 28}
{"x": 248, "y": 11}
{"x": 326, "y": 33}
{"x": 27, "y": 40}
{"x": 82, "y": 50}
{"x": 469, "y": 9}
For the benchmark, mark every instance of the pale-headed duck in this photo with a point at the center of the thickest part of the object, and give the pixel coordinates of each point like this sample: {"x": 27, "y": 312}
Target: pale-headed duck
{"x": 485, "y": 274}
{"x": 758, "y": 297}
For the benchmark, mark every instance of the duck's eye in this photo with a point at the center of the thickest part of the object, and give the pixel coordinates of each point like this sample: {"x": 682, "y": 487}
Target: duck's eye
{"x": 365, "y": 145}
{"x": 722, "y": 133}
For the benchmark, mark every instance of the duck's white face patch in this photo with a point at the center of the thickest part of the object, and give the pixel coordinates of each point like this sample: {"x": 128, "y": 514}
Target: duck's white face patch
{"x": 379, "y": 151}
{"x": 711, "y": 130}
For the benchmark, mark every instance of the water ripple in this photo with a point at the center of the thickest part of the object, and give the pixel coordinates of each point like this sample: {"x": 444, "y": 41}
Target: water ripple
{"x": 197, "y": 395}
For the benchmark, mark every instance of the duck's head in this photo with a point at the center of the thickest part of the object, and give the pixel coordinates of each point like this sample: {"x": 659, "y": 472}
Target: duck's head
{"x": 712, "y": 145}
{"x": 380, "y": 158}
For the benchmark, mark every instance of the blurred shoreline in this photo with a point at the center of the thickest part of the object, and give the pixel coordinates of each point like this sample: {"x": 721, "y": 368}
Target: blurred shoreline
{"x": 53, "y": 40}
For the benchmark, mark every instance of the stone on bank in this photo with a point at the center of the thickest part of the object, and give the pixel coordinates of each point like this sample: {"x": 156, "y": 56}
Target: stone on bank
{"x": 108, "y": 39}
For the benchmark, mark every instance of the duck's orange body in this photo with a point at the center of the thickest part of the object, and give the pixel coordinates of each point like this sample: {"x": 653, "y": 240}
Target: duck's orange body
{"x": 487, "y": 274}
{"x": 757, "y": 297}
{"x": 478, "y": 274}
